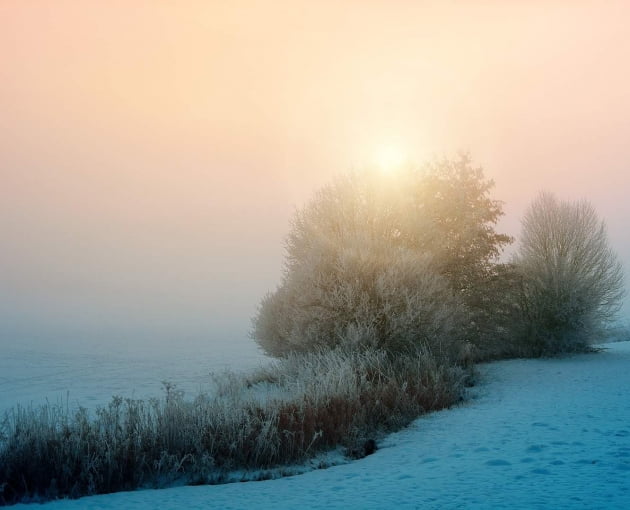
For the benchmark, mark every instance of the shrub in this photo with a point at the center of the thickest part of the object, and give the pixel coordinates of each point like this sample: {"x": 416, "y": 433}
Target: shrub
{"x": 374, "y": 296}
{"x": 572, "y": 282}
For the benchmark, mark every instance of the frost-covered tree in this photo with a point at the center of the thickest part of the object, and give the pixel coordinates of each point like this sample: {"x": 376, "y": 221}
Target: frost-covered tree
{"x": 387, "y": 261}
{"x": 572, "y": 281}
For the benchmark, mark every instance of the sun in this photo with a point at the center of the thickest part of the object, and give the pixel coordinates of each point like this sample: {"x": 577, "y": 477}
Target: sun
{"x": 389, "y": 158}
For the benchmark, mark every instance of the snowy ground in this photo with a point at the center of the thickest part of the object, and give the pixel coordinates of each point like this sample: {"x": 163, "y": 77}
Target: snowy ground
{"x": 90, "y": 377}
{"x": 535, "y": 434}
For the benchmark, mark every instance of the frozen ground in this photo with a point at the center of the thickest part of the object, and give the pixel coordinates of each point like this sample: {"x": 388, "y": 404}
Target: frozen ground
{"x": 535, "y": 434}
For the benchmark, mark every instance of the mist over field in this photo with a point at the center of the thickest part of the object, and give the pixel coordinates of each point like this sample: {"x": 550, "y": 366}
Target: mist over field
{"x": 244, "y": 241}
{"x": 151, "y": 155}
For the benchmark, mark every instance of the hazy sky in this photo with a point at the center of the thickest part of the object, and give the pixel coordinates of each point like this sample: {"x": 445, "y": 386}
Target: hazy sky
{"x": 152, "y": 152}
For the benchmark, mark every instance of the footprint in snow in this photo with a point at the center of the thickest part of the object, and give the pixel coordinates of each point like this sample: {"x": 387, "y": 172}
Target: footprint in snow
{"x": 623, "y": 466}
{"x": 586, "y": 462}
{"x": 498, "y": 462}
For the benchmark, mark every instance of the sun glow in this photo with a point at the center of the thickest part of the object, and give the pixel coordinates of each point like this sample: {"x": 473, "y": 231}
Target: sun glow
{"x": 390, "y": 158}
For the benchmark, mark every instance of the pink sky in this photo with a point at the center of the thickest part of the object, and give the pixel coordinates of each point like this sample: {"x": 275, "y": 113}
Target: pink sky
{"x": 151, "y": 152}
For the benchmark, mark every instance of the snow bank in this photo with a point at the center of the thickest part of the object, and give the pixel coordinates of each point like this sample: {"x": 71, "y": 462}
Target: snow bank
{"x": 535, "y": 434}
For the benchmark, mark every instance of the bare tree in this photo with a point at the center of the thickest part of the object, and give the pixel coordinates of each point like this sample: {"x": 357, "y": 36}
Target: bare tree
{"x": 572, "y": 281}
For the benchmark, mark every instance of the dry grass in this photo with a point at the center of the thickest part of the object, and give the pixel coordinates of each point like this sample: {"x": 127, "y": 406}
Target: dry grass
{"x": 312, "y": 403}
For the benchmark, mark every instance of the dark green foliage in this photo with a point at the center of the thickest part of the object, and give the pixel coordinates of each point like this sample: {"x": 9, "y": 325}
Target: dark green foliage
{"x": 454, "y": 195}
{"x": 494, "y": 314}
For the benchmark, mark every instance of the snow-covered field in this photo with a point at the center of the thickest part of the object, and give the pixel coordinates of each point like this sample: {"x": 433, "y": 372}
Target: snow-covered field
{"x": 534, "y": 434}
{"x": 90, "y": 377}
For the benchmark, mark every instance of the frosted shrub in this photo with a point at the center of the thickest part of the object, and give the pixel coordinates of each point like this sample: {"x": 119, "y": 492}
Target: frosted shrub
{"x": 373, "y": 295}
{"x": 572, "y": 282}
{"x": 311, "y": 403}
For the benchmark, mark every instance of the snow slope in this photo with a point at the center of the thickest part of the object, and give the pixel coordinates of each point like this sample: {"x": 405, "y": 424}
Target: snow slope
{"x": 535, "y": 434}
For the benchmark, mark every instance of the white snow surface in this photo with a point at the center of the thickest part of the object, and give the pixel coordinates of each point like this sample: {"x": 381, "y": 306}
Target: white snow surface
{"x": 533, "y": 434}
{"x": 89, "y": 378}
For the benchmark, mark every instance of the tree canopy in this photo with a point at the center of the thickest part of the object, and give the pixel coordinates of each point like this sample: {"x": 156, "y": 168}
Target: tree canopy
{"x": 389, "y": 261}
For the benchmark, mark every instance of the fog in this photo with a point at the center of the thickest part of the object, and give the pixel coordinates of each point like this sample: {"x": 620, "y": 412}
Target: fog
{"x": 152, "y": 153}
